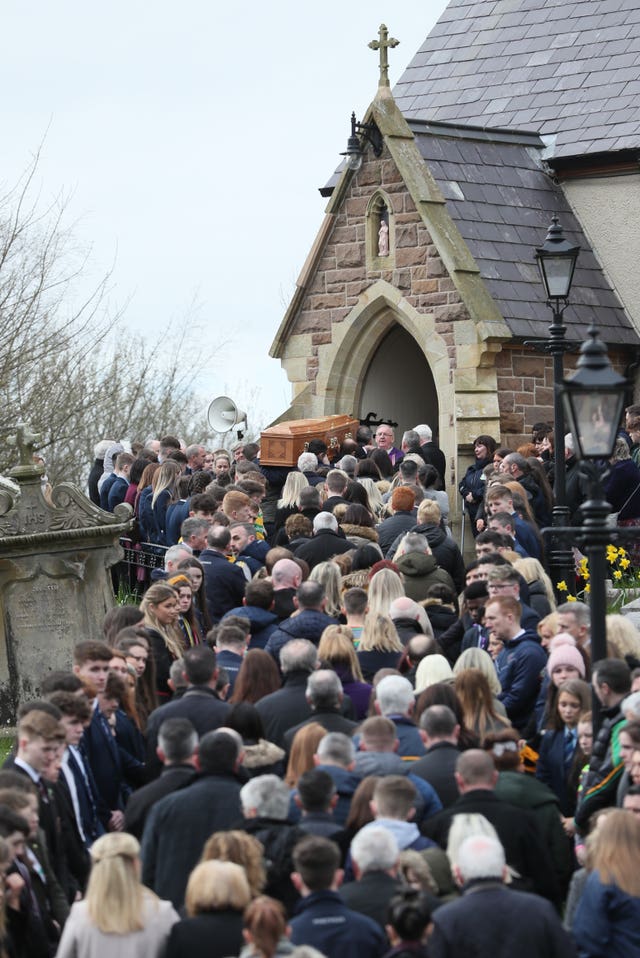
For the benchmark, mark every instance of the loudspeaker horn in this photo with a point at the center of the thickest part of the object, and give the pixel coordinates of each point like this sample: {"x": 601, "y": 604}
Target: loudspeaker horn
{"x": 223, "y": 414}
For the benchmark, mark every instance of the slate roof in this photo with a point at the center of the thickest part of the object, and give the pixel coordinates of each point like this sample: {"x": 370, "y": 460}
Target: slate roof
{"x": 567, "y": 69}
{"x": 502, "y": 200}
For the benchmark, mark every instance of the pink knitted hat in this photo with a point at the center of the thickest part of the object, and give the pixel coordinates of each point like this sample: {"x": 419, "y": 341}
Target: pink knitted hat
{"x": 566, "y": 655}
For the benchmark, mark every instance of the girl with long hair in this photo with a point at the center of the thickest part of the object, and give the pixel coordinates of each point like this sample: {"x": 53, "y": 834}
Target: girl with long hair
{"x": 187, "y": 621}
{"x": 194, "y": 569}
{"x": 303, "y": 748}
{"x": 119, "y": 917}
{"x": 328, "y": 574}
{"x": 474, "y": 693}
{"x": 380, "y": 647}
{"x": 288, "y": 502}
{"x": 336, "y": 652}
{"x": 384, "y": 587}
{"x": 164, "y": 491}
{"x": 559, "y": 742}
{"x": 258, "y": 676}
{"x": 607, "y": 919}
{"x": 160, "y": 607}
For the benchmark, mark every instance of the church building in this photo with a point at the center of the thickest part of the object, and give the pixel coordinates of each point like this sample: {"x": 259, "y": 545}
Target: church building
{"x": 420, "y": 300}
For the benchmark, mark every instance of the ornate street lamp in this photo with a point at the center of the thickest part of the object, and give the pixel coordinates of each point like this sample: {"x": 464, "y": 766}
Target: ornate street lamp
{"x": 556, "y": 260}
{"x": 593, "y": 399}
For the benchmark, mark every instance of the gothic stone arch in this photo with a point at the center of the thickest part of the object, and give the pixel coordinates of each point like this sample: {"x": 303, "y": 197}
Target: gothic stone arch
{"x": 344, "y": 361}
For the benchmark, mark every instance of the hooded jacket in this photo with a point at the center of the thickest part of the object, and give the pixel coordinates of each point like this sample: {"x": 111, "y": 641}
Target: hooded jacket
{"x": 443, "y": 547}
{"x": 390, "y": 763}
{"x": 421, "y": 571}
{"x": 520, "y": 666}
{"x": 262, "y": 621}
{"x": 308, "y": 624}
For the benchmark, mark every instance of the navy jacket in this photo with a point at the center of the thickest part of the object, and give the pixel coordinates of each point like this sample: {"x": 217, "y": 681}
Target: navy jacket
{"x": 308, "y": 624}
{"x": 199, "y": 704}
{"x": 224, "y": 583}
{"x": 607, "y": 921}
{"x": 263, "y": 623}
{"x": 552, "y": 769}
{"x": 176, "y": 514}
{"x": 323, "y": 921}
{"x": 520, "y": 666}
{"x": 493, "y": 920}
{"x": 179, "y": 825}
{"x": 117, "y": 492}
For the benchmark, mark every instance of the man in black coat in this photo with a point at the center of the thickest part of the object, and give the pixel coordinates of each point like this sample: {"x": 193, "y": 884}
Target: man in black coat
{"x": 374, "y": 859}
{"x": 326, "y": 543}
{"x": 517, "y": 828}
{"x": 179, "y": 824}
{"x": 490, "y": 920}
{"x": 224, "y": 582}
{"x": 200, "y": 703}
{"x": 177, "y": 750}
{"x": 309, "y": 623}
{"x": 325, "y": 696}
{"x": 431, "y": 452}
{"x": 283, "y": 709}
{"x": 438, "y": 766}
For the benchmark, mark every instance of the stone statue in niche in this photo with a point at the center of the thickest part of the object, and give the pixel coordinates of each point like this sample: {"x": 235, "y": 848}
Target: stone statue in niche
{"x": 383, "y": 238}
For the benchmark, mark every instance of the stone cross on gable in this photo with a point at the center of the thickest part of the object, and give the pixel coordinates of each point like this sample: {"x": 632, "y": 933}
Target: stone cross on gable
{"x": 383, "y": 45}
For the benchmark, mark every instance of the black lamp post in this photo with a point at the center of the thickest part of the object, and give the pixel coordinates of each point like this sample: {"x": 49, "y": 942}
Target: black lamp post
{"x": 556, "y": 260}
{"x": 593, "y": 400}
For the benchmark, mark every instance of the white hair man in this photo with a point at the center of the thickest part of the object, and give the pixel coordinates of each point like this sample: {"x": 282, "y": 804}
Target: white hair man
{"x": 431, "y": 452}
{"x": 326, "y": 543}
{"x": 325, "y": 697}
{"x": 395, "y": 700}
{"x": 336, "y": 755}
{"x": 374, "y": 860}
{"x": 265, "y": 805}
{"x": 500, "y": 922}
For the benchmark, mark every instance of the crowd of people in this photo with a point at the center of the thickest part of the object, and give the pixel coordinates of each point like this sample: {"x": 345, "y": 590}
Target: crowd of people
{"x": 324, "y": 731}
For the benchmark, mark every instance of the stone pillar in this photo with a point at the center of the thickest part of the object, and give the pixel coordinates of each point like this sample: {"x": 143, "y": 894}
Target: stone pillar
{"x": 56, "y": 551}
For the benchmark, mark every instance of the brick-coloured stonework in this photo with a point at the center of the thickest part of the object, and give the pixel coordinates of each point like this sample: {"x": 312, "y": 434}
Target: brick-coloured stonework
{"x": 343, "y": 275}
{"x": 525, "y": 388}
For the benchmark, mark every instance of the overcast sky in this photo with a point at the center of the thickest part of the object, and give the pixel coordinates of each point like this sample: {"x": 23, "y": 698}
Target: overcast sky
{"x": 192, "y": 140}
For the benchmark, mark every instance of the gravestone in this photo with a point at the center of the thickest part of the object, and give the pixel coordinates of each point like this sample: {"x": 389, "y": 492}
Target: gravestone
{"x": 56, "y": 551}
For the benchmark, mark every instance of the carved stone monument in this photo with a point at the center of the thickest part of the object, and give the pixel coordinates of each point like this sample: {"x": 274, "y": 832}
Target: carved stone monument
{"x": 55, "y": 586}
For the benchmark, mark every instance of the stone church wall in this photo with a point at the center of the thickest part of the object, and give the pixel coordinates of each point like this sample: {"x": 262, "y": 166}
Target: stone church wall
{"x": 345, "y": 270}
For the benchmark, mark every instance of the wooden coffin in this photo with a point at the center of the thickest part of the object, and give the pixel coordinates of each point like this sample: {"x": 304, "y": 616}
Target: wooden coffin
{"x": 281, "y": 445}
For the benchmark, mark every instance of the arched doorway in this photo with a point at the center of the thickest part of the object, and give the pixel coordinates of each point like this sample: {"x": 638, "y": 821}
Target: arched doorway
{"x": 398, "y": 384}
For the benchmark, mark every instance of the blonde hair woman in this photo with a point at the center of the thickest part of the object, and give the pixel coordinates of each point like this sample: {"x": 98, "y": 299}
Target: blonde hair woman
{"x": 432, "y": 670}
{"x": 119, "y": 917}
{"x": 241, "y": 849}
{"x": 609, "y": 909}
{"x": 164, "y": 489}
{"x": 288, "y": 504}
{"x": 160, "y": 608}
{"x": 384, "y": 587}
{"x": 533, "y": 573}
{"x": 380, "y": 647}
{"x": 216, "y": 897}
{"x": 374, "y": 496}
{"x": 547, "y": 628}
{"x": 475, "y": 658}
{"x": 328, "y": 574}
{"x": 622, "y": 637}
{"x": 336, "y": 651}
